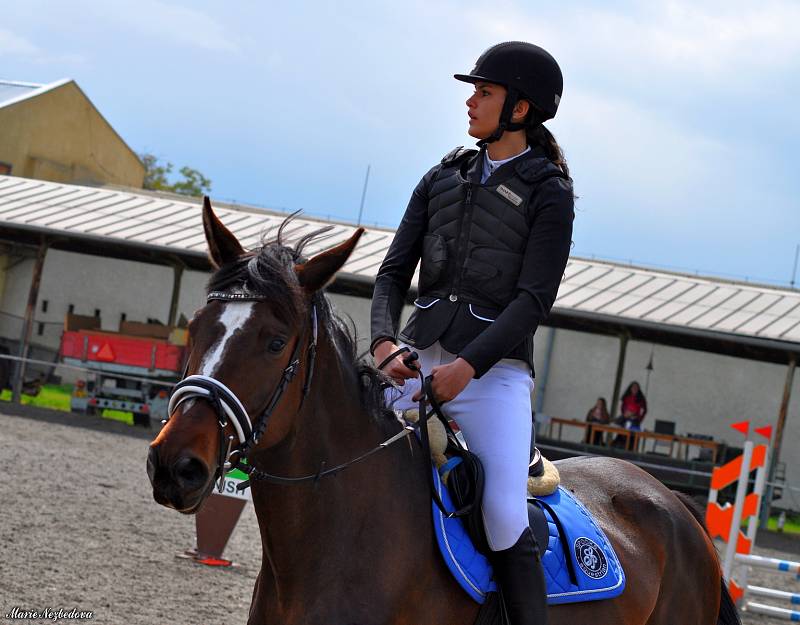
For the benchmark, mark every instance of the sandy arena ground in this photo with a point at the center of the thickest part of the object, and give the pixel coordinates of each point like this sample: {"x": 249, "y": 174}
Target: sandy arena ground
{"x": 79, "y": 529}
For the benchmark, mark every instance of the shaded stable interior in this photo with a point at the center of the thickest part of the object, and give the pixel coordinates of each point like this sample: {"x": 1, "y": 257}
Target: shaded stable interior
{"x": 682, "y": 475}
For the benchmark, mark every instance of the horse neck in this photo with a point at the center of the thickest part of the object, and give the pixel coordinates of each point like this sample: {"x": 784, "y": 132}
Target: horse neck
{"x": 354, "y": 512}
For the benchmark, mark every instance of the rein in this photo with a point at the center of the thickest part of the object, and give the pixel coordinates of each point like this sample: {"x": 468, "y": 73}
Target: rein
{"x": 229, "y": 409}
{"x": 426, "y": 384}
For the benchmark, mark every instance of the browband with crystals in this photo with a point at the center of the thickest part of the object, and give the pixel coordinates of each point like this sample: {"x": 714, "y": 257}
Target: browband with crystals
{"x": 235, "y": 295}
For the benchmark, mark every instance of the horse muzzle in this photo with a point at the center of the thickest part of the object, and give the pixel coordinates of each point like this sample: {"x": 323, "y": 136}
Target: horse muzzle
{"x": 181, "y": 483}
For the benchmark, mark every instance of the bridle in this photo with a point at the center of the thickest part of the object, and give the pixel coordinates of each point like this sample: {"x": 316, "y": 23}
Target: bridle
{"x": 230, "y": 410}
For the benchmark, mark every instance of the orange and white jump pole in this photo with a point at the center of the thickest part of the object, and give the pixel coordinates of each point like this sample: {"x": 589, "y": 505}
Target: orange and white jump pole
{"x": 725, "y": 521}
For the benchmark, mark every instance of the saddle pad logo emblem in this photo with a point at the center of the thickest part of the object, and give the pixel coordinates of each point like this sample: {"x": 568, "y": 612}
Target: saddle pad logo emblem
{"x": 509, "y": 195}
{"x": 591, "y": 558}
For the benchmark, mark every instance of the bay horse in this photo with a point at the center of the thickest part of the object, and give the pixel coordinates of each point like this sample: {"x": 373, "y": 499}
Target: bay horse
{"x": 356, "y": 545}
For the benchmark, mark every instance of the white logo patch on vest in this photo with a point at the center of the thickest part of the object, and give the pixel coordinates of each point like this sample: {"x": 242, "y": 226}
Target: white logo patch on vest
{"x": 509, "y": 195}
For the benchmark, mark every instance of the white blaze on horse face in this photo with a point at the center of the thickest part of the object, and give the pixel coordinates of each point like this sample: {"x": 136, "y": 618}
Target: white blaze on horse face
{"x": 234, "y": 317}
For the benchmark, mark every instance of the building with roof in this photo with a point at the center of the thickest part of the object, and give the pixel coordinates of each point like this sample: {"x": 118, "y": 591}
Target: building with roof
{"x": 54, "y": 132}
{"x": 707, "y": 352}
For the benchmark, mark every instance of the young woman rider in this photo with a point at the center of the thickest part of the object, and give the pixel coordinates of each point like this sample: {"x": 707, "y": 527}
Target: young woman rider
{"x": 492, "y": 228}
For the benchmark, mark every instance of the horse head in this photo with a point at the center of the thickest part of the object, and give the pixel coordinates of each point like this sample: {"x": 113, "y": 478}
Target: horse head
{"x": 250, "y": 360}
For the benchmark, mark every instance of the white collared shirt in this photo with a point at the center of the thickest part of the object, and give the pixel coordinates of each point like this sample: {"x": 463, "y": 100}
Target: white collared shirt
{"x": 490, "y": 166}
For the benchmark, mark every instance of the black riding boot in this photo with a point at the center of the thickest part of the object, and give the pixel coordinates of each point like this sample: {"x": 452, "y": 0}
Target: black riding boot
{"x": 518, "y": 571}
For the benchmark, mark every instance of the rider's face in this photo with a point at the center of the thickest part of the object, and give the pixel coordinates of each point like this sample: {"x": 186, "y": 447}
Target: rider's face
{"x": 484, "y": 107}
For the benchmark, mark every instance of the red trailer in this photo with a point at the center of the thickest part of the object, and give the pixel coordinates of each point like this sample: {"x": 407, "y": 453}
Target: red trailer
{"x": 131, "y": 370}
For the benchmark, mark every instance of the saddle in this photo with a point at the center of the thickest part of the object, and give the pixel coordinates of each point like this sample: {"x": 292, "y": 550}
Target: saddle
{"x": 578, "y": 560}
{"x": 462, "y": 473}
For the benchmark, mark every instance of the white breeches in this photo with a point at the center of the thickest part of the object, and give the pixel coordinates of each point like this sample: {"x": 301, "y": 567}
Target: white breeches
{"x": 494, "y": 414}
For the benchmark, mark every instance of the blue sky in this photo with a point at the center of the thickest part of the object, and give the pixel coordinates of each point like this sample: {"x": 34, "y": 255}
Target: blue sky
{"x": 678, "y": 118}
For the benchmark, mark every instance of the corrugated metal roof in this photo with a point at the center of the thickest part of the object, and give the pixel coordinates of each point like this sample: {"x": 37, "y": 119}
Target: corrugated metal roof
{"x": 673, "y": 299}
{"x": 163, "y": 223}
{"x": 12, "y": 91}
{"x": 173, "y": 224}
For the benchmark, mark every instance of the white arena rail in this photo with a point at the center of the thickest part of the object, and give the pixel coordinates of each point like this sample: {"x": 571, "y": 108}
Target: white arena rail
{"x": 791, "y": 597}
{"x": 768, "y": 610}
{"x": 772, "y": 564}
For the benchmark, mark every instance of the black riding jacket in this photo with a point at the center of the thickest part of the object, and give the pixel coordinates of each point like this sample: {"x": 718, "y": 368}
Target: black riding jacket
{"x": 493, "y": 255}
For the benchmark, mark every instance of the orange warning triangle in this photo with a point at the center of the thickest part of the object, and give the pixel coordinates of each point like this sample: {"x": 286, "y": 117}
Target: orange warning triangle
{"x": 766, "y": 431}
{"x": 742, "y": 426}
{"x": 106, "y": 353}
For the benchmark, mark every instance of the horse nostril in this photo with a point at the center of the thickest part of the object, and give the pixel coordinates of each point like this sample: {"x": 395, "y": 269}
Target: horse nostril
{"x": 190, "y": 472}
{"x": 152, "y": 463}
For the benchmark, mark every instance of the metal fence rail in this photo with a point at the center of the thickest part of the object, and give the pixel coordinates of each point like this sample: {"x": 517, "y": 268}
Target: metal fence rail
{"x": 57, "y": 365}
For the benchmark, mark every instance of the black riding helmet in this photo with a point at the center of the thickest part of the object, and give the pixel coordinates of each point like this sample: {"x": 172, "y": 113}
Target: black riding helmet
{"x": 528, "y": 72}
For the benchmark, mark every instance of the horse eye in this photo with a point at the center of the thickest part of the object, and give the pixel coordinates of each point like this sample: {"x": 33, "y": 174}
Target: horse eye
{"x": 276, "y": 345}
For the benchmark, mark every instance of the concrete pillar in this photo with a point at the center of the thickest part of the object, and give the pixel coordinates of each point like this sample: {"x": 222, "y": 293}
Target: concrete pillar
{"x": 27, "y": 326}
{"x": 623, "y": 349}
{"x": 541, "y": 376}
{"x": 177, "y": 270}
{"x": 766, "y": 504}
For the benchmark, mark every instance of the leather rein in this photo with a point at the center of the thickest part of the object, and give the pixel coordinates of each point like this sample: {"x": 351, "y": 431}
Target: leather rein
{"x": 230, "y": 410}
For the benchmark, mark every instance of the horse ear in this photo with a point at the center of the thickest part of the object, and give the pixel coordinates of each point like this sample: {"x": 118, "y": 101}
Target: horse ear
{"x": 223, "y": 247}
{"x": 320, "y": 270}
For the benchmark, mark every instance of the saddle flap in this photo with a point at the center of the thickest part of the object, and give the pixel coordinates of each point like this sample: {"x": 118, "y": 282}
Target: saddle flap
{"x": 579, "y": 563}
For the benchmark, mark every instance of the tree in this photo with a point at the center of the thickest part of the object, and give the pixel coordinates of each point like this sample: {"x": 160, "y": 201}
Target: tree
{"x": 157, "y": 174}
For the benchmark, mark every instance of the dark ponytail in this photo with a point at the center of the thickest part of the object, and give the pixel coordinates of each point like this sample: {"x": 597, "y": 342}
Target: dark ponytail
{"x": 539, "y": 136}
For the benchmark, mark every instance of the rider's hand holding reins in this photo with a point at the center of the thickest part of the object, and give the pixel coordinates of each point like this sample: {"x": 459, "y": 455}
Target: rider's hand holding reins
{"x": 395, "y": 368}
{"x": 449, "y": 380}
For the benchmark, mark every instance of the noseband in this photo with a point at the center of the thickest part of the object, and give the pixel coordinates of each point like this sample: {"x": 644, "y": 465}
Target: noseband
{"x": 229, "y": 409}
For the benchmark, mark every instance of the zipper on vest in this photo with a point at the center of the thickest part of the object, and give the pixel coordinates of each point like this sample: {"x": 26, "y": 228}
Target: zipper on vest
{"x": 463, "y": 240}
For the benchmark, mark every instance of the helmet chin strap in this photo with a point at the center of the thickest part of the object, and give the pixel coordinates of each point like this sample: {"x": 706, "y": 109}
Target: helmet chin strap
{"x": 512, "y": 97}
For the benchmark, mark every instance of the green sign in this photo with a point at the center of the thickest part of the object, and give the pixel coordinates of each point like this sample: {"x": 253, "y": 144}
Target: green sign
{"x": 231, "y": 480}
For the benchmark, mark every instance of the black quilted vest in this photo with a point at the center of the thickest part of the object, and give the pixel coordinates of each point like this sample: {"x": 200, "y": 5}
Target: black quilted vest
{"x": 477, "y": 234}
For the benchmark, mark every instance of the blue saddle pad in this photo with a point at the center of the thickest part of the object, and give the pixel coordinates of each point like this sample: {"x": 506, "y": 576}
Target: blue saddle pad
{"x": 597, "y": 571}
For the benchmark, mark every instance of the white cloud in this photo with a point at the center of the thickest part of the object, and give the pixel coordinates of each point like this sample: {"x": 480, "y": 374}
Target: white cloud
{"x": 171, "y": 22}
{"x": 637, "y": 154}
{"x": 725, "y": 38}
{"x": 718, "y": 41}
{"x": 11, "y": 43}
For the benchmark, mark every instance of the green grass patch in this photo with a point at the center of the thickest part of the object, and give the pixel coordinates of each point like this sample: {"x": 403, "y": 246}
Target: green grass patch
{"x": 118, "y": 415}
{"x": 791, "y": 526}
{"x": 57, "y": 396}
{"x": 53, "y": 396}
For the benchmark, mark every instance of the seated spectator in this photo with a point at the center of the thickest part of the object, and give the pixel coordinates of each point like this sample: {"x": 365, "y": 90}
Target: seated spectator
{"x": 597, "y": 414}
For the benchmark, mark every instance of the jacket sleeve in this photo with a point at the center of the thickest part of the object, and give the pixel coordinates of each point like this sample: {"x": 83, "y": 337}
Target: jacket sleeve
{"x": 543, "y": 265}
{"x": 397, "y": 270}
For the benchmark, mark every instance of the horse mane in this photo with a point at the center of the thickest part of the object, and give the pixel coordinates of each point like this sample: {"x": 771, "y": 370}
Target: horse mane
{"x": 268, "y": 271}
